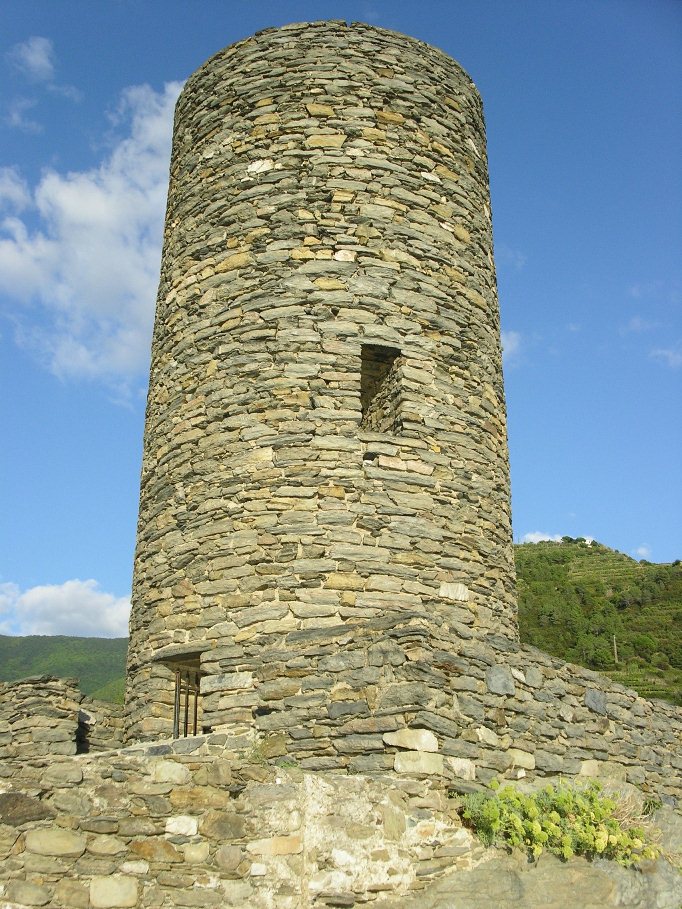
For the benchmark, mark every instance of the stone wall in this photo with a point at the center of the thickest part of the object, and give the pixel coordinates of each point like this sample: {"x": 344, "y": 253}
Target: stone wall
{"x": 328, "y": 194}
{"x": 100, "y": 725}
{"x": 191, "y": 823}
{"x": 333, "y": 697}
{"x": 44, "y": 715}
{"x": 38, "y": 716}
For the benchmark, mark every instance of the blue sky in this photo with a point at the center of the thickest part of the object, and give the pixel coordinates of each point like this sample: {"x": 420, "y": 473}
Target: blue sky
{"x": 584, "y": 125}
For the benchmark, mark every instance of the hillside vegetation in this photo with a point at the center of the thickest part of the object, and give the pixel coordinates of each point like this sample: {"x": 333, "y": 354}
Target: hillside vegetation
{"x": 574, "y": 597}
{"x": 98, "y": 663}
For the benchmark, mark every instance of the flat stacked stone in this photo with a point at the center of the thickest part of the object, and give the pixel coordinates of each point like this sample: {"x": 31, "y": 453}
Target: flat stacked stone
{"x": 328, "y": 211}
{"x": 38, "y": 716}
{"x": 100, "y": 725}
{"x": 192, "y": 823}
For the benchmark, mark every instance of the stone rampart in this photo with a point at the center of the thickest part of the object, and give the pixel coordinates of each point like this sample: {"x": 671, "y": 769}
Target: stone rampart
{"x": 191, "y": 823}
{"x": 335, "y": 697}
{"x": 324, "y": 573}
{"x": 44, "y": 715}
{"x": 38, "y": 716}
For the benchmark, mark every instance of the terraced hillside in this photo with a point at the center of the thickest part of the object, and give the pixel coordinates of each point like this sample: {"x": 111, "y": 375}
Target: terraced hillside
{"x": 576, "y": 597}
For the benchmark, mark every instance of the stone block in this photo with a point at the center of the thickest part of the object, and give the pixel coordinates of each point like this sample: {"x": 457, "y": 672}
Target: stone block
{"x": 72, "y": 893}
{"x": 277, "y": 845}
{"x": 521, "y": 758}
{"x": 595, "y": 701}
{"x": 487, "y": 736}
{"x": 228, "y": 857}
{"x": 457, "y": 592}
{"x": 463, "y": 768}
{"x": 27, "y": 894}
{"x": 196, "y": 853}
{"x": 16, "y": 809}
{"x": 222, "y": 825}
{"x": 499, "y": 680}
{"x": 105, "y": 844}
{"x": 549, "y": 762}
{"x": 326, "y": 140}
{"x": 534, "y": 677}
{"x": 55, "y": 841}
{"x": 412, "y": 739}
{"x": 62, "y": 773}
{"x": 170, "y": 772}
{"x": 115, "y": 891}
{"x": 182, "y": 825}
{"x": 155, "y": 849}
{"x": 418, "y": 762}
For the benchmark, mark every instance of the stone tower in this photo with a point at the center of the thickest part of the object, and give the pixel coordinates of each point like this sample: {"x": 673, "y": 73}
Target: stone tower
{"x": 325, "y": 494}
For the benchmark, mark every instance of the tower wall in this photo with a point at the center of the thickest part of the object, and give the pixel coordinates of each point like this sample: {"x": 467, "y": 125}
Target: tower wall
{"x": 325, "y": 446}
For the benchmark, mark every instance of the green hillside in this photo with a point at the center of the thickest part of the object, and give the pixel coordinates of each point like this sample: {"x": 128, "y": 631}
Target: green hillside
{"x": 573, "y": 598}
{"x": 99, "y": 663}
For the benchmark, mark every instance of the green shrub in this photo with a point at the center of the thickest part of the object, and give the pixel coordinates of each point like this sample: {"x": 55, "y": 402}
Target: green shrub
{"x": 563, "y": 820}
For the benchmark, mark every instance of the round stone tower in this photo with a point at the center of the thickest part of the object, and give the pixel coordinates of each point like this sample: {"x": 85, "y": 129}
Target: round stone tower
{"x": 325, "y": 472}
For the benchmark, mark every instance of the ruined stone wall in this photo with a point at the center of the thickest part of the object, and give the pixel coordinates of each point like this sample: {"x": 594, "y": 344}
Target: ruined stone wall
{"x": 188, "y": 824}
{"x": 328, "y": 190}
{"x": 355, "y": 807}
{"x": 44, "y": 715}
{"x": 100, "y": 725}
{"x": 38, "y": 716}
{"x": 191, "y": 823}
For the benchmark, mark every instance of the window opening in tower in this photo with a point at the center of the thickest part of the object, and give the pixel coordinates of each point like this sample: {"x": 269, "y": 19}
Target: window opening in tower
{"x": 380, "y": 388}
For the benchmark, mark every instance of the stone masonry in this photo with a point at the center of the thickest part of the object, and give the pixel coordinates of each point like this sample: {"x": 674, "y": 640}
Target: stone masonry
{"x": 192, "y": 822}
{"x": 43, "y": 715}
{"x": 325, "y": 444}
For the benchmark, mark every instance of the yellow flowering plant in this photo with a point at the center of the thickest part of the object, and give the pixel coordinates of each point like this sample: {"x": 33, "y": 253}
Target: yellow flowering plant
{"x": 561, "y": 819}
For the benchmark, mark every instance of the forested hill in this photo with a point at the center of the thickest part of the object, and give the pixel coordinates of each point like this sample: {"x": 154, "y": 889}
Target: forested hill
{"x": 98, "y": 663}
{"x": 574, "y": 597}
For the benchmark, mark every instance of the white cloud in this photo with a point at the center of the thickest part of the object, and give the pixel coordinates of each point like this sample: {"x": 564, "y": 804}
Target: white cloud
{"x": 17, "y": 115}
{"x": 671, "y": 356}
{"x": 34, "y": 58}
{"x": 511, "y": 345}
{"x": 537, "y": 536}
{"x": 92, "y": 263}
{"x": 643, "y": 552}
{"x": 74, "y": 608}
{"x": 14, "y": 191}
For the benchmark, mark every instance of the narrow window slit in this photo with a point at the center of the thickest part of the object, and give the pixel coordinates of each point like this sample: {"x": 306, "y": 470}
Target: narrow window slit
{"x": 380, "y": 388}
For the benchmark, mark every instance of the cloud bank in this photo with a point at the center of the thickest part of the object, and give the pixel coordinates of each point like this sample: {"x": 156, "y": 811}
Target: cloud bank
{"x": 81, "y": 250}
{"x": 75, "y": 607}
